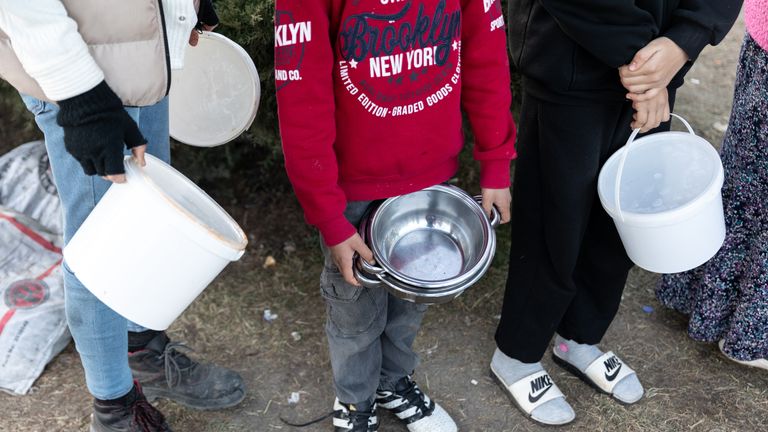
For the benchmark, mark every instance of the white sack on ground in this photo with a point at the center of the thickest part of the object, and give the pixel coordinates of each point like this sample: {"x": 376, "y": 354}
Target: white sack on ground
{"x": 33, "y": 326}
{"x": 26, "y": 185}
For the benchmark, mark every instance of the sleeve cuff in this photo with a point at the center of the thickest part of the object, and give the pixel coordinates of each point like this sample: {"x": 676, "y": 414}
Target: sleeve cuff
{"x": 494, "y": 174}
{"x": 336, "y": 230}
{"x": 207, "y": 13}
{"x": 692, "y": 38}
{"x": 71, "y": 78}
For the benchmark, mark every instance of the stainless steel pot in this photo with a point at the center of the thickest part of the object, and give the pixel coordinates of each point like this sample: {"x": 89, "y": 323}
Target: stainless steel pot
{"x": 429, "y": 245}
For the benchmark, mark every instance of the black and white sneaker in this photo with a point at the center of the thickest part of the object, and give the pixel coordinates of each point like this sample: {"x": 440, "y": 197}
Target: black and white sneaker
{"x": 346, "y": 418}
{"x": 415, "y": 409}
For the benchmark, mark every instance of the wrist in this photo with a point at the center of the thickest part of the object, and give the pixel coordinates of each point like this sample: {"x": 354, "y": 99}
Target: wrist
{"x": 76, "y": 110}
{"x": 336, "y": 230}
{"x": 495, "y": 174}
{"x": 679, "y": 54}
{"x": 689, "y": 37}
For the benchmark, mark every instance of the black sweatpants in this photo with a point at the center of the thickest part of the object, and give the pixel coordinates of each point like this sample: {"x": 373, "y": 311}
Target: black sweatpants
{"x": 567, "y": 265}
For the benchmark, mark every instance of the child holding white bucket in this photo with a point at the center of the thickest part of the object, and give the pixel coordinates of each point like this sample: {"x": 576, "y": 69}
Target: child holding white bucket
{"x": 369, "y": 97}
{"x": 568, "y": 266}
{"x": 727, "y": 298}
{"x": 99, "y": 111}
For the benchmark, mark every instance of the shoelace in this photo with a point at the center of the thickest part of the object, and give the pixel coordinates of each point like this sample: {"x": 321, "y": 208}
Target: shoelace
{"x": 174, "y": 362}
{"x": 147, "y": 417}
{"x": 414, "y": 396}
{"x": 357, "y": 418}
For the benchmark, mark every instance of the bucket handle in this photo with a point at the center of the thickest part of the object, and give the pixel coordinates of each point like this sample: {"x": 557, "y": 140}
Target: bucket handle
{"x": 620, "y": 171}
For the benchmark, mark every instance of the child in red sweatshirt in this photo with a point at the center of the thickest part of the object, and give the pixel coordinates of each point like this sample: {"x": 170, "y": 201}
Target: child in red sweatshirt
{"x": 370, "y": 94}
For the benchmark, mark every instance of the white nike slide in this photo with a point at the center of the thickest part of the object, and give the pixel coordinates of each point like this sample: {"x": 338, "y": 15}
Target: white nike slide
{"x": 532, "y": 392}
{"x": 759, "y": 363}
{"x": 604, "y": 373}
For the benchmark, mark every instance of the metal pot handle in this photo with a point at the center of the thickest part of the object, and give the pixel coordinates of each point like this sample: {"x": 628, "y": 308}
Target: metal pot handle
{"x": 366, "y": 273}
{"x": 365, "y": 280}
{"x": 369, "y": 268}
{"x": 495, "y": 217}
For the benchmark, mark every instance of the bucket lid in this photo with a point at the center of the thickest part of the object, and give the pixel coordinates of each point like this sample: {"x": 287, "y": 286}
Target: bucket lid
{"x": 203, "y": 220}
{"x": 215, "y": 97}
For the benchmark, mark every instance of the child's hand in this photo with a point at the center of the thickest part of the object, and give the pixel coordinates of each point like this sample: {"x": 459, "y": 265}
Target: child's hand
{"x": 194, "y": 37}
{"x": 343, "y": 255}
{"x": 653, "y": 66}
{"x": 501, "y": 198}
{"x": 651, "y": 111}
{"x": 207, "y": 20}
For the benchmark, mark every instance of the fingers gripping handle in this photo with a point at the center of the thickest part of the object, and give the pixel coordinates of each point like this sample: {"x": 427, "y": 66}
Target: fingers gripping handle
{"x": 366, "y": 273}
{"x": 495, "y": 217}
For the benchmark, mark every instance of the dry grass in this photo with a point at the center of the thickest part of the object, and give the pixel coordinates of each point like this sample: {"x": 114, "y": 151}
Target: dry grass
{"x": 689, "y": 385}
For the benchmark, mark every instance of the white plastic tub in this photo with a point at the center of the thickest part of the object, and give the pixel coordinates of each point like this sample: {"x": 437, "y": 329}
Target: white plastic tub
{"x": 669, "y": 210}
{"x": 153, "y": 244}
{"x": 215, "y": 97}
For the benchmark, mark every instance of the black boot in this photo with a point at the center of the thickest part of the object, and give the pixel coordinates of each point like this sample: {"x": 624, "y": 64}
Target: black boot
{"x": 164, "y": 372}
{"x": 130, "y": 413}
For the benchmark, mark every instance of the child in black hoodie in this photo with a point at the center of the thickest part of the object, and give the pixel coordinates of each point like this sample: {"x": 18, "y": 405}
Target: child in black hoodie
{"x": 592, "y": 70}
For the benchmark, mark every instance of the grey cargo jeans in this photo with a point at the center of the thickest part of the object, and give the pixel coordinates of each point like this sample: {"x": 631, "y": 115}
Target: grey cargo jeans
{"x": 370, "y": 332}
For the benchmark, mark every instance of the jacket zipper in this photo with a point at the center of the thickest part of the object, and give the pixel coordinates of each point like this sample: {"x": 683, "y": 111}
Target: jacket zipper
{"x": 167, "y": 53}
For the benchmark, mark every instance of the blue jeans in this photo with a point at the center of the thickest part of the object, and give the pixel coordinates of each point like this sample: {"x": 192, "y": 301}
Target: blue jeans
{"x": 100, "y": 333}
{"x": 370, "y": 332}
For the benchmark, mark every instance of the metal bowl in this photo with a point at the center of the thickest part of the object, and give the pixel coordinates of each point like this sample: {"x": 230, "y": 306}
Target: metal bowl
{"x": 429, "y": 245}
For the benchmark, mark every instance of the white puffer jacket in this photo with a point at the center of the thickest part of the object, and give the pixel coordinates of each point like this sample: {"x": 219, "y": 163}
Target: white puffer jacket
{"x": 57, "y": 49}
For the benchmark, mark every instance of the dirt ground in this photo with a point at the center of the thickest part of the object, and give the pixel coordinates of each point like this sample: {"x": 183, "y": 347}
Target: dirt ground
{"x": 689, "y": 385}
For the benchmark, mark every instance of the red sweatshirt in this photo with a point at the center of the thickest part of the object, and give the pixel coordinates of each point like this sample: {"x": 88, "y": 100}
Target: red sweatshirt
{"x": 370, "y": 94}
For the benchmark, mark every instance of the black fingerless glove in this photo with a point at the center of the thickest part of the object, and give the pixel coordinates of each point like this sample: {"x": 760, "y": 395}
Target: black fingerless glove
{"x": 206, "y": 15}
{"x": 97, "y": 129}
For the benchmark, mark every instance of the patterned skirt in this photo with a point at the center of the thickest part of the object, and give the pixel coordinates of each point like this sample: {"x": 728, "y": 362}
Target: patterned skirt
{"x": 727, "y": 298}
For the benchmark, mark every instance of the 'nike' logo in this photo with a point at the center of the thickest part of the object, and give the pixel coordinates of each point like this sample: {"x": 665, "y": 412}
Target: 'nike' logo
{"x": 533, "y": 399}
{"x": 615, "y": 373}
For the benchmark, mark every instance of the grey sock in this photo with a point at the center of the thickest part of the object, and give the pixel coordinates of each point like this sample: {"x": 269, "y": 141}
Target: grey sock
{"x": 556, "y": 411}
{"x": 628, "y": 390}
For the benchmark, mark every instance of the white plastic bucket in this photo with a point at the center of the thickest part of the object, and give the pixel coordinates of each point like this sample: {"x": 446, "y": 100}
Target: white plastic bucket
{"x": 215, "y": 97}
{"x": 153, "y": 244}
{"x": 668, "y": 209}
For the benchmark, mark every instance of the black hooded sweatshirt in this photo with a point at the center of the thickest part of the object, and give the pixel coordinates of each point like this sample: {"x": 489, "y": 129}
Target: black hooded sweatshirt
{"x": 570, "y": 50}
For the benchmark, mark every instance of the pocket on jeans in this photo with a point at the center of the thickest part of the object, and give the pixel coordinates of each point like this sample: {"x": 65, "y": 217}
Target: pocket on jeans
{"x": 351, "y": 310}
